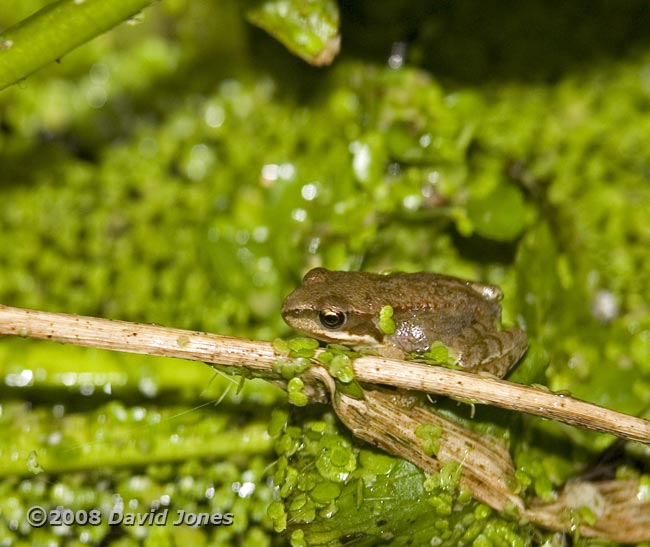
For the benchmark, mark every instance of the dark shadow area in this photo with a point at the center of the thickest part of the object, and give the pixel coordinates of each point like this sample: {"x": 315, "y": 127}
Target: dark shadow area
{"x": 75, "y": 402}
{"x": 606, "y": 463}
{"x": 482, "y": 250}
{"x": 478, "y": 41}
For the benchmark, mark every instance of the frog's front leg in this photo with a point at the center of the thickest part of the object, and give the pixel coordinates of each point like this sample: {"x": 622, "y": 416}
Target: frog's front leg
{"x": 481, "y": 349}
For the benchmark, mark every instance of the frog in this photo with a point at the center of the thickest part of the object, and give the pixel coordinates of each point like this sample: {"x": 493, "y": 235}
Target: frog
{"x": 428, "y": 308}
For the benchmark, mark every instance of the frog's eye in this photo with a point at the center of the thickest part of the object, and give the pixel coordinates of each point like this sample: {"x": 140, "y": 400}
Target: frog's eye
{"x": 331, "y": 319}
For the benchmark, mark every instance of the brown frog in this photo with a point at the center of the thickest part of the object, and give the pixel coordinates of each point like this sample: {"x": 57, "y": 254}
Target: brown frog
{"x": 344, "y": 307}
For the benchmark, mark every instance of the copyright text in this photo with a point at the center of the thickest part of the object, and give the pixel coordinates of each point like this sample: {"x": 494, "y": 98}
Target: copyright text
{"x": 38, "y": 517}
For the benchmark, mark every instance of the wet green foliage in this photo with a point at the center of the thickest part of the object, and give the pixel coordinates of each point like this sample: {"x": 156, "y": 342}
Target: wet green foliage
{"x": 188, "y": 170}
{"x": 305, "y": 28}
{"x": 362, "y": 496}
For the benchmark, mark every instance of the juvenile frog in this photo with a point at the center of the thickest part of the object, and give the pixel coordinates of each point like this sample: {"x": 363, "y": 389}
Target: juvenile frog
{"x": 344, "y": 307}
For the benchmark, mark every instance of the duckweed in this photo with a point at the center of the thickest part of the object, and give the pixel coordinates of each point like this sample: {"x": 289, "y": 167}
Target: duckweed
{"x": 336, "y": 459}
{"x": 298, "y": 539}
{"x": 290, "y": 368}
{"x": 278, "y": 421}
{"x": 301, "y": 508}
{"x": 386, "y": 322}
{"x": 482, "y": 512}
{"x": 449, "y": 475}
{"x": 303, "y": 347}
{"x": 430, "y": 435}
{"x": 440, "y": 354}
{"x": 325, "y": 492}
{"x": 278, "y": 515}
{"x": 295, "y": 390}
{"x": 341, "y": 368}
{"x": 281, "y": 346}
{"x": 376, "y": 463}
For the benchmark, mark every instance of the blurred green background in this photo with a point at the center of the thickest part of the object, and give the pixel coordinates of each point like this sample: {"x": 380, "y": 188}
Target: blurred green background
{"x": 186, "y": 169}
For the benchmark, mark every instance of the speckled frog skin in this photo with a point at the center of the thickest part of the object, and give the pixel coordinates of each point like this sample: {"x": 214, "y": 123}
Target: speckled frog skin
{"x": 344, "y": 307}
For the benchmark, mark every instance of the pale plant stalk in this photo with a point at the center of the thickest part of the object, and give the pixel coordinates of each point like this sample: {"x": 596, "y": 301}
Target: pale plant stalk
{"x": 259, "y": 356}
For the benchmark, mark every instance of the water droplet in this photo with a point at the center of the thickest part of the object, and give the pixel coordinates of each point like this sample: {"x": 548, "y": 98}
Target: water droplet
{"x": 54, "y": 438}
{"x": 245, "y": 489}
{"x": 314, "y": 245}
{"x": 604, "y": 306}
{"x": 58, "y": 411}
{"x": 139, "y": 413}
{"x": 270, "y": 173}
{"x": 361, "y": 160}
{"x": 309, "y": 191}
{"x": 201, "y": 159}
{"x": 411, "y": 202}
{"x": 260, "y": 234}
{"x": 299, "y": 215}
{"x": 24, "y": 378}
{"x": 148, "y": 387}
{"x": 287, "y": 171}
{"x": 99, "y": 73}
{"x": 397, "y": 55}
{"x": 69, "y": 378}
{"x": 214, "y": 115}
{"x": 137, "y": 19}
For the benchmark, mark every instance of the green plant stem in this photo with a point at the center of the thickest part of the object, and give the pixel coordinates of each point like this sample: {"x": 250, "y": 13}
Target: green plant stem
{"x": 140, "y": 451}
{"x": 53, "y": 31}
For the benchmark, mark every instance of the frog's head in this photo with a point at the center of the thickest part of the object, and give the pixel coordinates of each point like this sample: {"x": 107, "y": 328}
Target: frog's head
{"x": 334, "y": 307}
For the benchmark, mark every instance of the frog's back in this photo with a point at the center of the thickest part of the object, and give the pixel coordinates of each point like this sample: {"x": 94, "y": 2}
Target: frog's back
{"x": 432, "y": 307}
{"x": 440, "y": 293}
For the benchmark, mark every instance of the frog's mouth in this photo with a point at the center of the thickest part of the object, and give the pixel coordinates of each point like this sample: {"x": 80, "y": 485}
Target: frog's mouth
{"x": 348, "y": 339}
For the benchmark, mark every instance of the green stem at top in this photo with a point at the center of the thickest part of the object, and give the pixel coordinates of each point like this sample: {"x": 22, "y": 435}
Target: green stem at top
{"x": 53, "y": 31}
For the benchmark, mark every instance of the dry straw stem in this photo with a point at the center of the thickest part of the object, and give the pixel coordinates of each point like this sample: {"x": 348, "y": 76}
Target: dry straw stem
{"x": 259, "y": 357}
